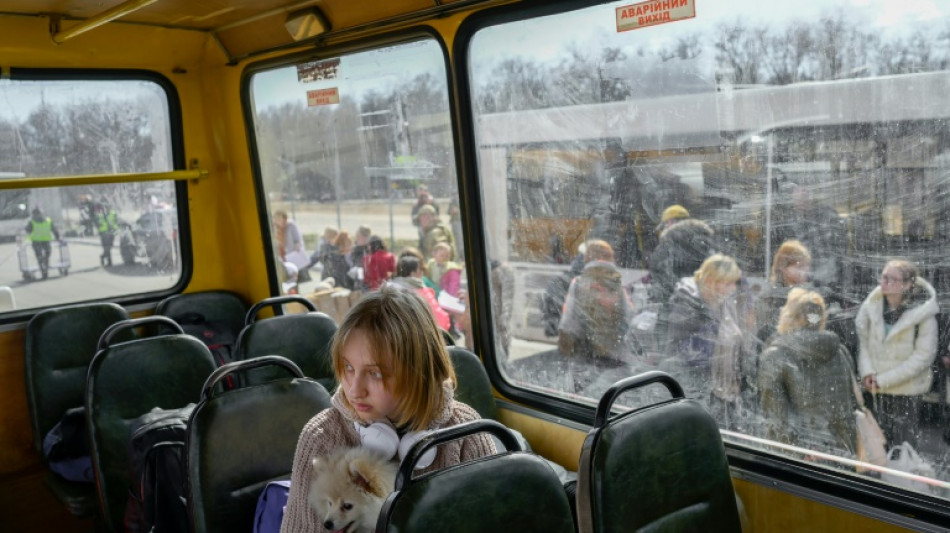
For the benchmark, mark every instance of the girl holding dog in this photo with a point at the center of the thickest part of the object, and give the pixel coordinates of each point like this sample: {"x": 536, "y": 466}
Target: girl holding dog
{"x": 396, "y": 383}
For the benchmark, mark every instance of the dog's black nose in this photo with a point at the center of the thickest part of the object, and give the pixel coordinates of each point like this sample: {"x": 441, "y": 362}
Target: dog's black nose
{"x": 328, "y": 525}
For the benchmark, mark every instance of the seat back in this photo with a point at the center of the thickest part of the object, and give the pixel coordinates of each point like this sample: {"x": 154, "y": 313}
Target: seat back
{"x": 240, "y": 439}
{"x": 126, "y": 380}
{"x": 223, "y": 307}
{"x": 511, "y": 491}
{"x": 474, "y": 387}
{"x": 661, "y": 467}
{"x": 302, "y": 338}
{"x": 60, "y": 343}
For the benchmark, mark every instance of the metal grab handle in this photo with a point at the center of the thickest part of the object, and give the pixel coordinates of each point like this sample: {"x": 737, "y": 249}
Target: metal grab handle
{"x": 207, "y": 391}
{"x": 277, "y": 300}
{"x": 106, "y": 338}
{"x": 404, "y": 476}
{"x": 640, "y": 380}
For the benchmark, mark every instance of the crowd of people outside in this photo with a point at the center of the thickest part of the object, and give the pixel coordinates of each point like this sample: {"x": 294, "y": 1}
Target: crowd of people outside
{"x": 759, "y": 356}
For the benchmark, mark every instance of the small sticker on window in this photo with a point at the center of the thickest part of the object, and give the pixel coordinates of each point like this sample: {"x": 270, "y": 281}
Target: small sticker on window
{"x": 328, "y": 69}
{"x": 323, "y": 97}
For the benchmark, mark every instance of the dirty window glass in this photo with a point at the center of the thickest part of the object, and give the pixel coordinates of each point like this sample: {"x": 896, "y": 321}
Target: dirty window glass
{"x": 725, "y": 198}
{"x": 69, "y": 244}
{"x": 357, "y": 163}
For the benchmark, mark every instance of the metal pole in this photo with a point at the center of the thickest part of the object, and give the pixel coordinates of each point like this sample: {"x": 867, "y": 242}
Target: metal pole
{"x": 336, "y": 178}
{"x": 392, "y": 229}
{"x": 768, "y": 203}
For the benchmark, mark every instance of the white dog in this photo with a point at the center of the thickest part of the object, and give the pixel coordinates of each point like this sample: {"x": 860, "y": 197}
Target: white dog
{"x": 348, "y": 489}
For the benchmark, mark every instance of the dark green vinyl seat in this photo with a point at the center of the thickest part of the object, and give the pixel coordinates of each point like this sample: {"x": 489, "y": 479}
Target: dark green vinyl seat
{"x": 221, "y": 307}
{"x": 303, "y": 338}
{"x": 240, "y": 439}
{"x": 511, "y": 491}
{"x": 60, "y": 344}
{"x": 126, "y": 380}
{"x": 662, "y": 467}
{"x": 474, "y": 388}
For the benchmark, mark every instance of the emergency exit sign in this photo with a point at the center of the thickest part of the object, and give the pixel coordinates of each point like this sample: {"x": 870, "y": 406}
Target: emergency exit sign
{"x": 643, "y": 14}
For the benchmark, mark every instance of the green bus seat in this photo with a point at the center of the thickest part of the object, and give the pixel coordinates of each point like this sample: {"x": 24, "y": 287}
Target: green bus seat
{"x": 510, "y": 491}
{"x": 126, "y": 380}
{"x": 661, "y": 467}
{"x": 224, "y": 307}
{"x": 60, "y": 344}
{"x": 303, "y": 338}
{"x": 239, "y": 440}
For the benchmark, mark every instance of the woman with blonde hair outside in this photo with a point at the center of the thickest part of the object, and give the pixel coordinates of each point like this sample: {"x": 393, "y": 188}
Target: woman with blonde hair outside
{"x": 897, "y": 330}
{"x": 704, "y": 338}
{"x": 805, "y": 380}
{"x": 790, "y": 268}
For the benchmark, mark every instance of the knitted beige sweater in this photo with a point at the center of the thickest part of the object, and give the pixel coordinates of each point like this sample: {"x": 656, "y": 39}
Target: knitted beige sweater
{"x": 333, "y": 428}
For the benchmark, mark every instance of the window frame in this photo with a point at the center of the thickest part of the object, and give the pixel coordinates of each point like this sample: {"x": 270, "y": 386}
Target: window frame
{"x": 178, "y": 173}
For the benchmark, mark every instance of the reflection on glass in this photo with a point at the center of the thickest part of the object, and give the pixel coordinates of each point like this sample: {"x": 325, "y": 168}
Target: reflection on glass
{"x": 360, "y": 180}
{"x": 70, "y": 244}
{"x": 697, "y": 151}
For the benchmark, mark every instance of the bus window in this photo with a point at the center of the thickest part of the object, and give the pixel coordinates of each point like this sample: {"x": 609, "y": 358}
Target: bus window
{"x": 357, "y": 162}
{"x": 670, "y": 178}
{"x": 69, "y": 244}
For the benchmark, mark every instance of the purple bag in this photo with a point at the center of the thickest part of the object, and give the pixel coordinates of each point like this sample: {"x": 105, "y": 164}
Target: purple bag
{"x": 270, "y": 507}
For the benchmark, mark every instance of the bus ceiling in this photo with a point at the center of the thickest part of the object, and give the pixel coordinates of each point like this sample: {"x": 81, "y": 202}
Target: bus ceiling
{"x": 242, "y": 28}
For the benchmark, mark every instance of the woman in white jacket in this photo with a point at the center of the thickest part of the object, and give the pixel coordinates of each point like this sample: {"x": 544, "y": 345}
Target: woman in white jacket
{"x": 897, "y": 328}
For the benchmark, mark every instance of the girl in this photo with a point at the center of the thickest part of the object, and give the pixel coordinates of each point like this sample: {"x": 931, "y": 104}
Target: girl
{"x": 806, "y": 382}
{"x": 395, "y": 379}
{"x": 897, "y": 330}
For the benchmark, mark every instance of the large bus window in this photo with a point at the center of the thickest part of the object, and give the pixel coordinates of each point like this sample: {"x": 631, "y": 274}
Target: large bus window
{"x": 86, "y": 242}
{"x": 721, "y": 198}
{"x": 357, "y": 162}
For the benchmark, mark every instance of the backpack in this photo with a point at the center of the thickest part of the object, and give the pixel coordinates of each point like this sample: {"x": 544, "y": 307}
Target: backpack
{"x": 156, "y": 502}
{"x": 66, "y": 447}
{"x": 215, "y": 334}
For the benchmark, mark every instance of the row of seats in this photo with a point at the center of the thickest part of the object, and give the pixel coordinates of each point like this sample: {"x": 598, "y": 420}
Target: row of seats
{"x": 661, "y": 467}
{"x": 61, "y": 344}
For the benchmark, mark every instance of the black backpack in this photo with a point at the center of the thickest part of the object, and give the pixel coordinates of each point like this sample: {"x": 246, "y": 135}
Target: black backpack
{"x": 215, "y": 334}
{"x": 156, "y": 502}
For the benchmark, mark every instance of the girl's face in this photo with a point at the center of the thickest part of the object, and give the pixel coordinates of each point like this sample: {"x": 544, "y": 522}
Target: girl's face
{"x": 715, "y": 291}
{"x": 441, "y": 255}
{"x": 796, "y": 273}
{"x": 367, "y": 383}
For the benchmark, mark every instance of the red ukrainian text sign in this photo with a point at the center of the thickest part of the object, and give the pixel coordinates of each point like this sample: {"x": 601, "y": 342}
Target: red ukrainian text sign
{"x": 654, "y": 12}
{"x": 323, "y": 97}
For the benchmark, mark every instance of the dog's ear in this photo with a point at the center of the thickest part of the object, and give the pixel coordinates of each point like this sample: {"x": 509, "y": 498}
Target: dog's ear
{"x": 363, "y": 474}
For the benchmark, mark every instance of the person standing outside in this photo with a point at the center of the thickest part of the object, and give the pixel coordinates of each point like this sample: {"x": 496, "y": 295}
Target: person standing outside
{"x": 897, "y": 331}
{"x": 290, "y": 243}
{"x": 108, "y": 226}
{"x": 683, "y": 246}
{"x": 41, "y": 232}
{"x": 434, "y": 231}
{"x": 806, "y": 380}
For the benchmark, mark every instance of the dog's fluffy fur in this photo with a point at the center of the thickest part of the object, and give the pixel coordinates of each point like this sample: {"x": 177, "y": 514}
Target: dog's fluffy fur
{"x": 348, "y": 488}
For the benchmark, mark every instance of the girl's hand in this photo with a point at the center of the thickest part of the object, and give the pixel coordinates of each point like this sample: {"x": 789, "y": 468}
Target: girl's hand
{"x": 870, "y": 383}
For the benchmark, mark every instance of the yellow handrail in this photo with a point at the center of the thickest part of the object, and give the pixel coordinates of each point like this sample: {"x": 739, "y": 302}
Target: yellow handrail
{"x": 93, "y": 179}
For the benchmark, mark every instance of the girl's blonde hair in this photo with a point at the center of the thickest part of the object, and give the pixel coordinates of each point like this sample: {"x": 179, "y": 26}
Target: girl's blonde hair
{"x": 402, "y": 332}
{"x": 804, "y": 309}
{"x": 599, "y": 250}
{"x": 717, "y": 267}
{"x": 789, "y": 253}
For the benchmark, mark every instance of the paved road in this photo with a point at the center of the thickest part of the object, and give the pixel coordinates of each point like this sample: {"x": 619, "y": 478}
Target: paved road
{"x": 85, "y": 280}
